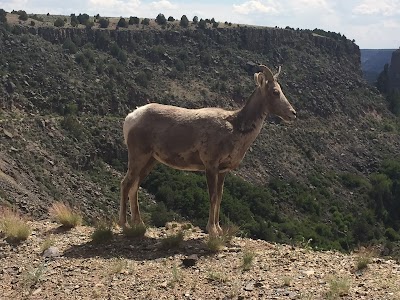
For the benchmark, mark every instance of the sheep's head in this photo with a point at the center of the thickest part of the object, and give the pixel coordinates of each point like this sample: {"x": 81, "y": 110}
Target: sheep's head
{"x": 276, "y": 101}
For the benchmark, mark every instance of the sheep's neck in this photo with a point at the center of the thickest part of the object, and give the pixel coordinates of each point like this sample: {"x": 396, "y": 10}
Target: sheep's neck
{"x": 252, "y": 114}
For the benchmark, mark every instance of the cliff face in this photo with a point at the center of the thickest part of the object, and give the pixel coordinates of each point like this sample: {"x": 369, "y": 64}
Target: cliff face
{"x": 394, "y": 72}
{"x": 262, "y": 40}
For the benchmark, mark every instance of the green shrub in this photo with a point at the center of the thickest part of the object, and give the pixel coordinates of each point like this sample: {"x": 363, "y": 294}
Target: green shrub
{"x": 143, "y": 78}
{"x": 59, "y": 22}
{"x": 71, "y": 124}
{"x": 70, "y": 46}
{"x": 184, "y": 21}
{"x": 104, "y": 23}
{"x": 122, "y": 23}
{"x": 161, "y": 20}
{"x": 134, "y": 20}
{"x": 23, "y": 16}
{"x": 392, "y": 235}
{"x": 146, "y": 21}
{"x": 3, "y": 16}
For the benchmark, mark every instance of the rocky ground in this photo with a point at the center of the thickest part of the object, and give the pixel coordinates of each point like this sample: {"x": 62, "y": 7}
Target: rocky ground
{"x": 75, "y": 268}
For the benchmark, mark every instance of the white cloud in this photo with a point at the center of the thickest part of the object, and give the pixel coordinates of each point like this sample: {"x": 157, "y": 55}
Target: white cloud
{"x": 14, "y": 4}
{"x": 310, "y": 6}
{"x": 372, "y": 7}
{"x": 254, "y": 6}
{"x": 112, "y": 3}
{"x": 391, "y": 24}
{"x": 113, "y": 7}
{"x": 163, "y": 4}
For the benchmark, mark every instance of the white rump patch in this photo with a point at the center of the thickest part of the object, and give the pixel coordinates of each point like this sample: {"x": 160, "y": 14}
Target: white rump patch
{"x": 132, "y": 118}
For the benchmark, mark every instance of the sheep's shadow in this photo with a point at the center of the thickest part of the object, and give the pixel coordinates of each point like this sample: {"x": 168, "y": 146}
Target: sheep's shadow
{"x": 145, "y": 248}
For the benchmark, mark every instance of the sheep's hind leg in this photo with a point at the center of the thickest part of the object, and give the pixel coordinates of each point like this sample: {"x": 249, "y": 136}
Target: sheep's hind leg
{"x": 212, "y": 182}
{"x": 140, "y": 174}
{"x": 126, "y": 184}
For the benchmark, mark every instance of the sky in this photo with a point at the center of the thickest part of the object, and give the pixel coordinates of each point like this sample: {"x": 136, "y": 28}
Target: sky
{"x": 372, "y": 24}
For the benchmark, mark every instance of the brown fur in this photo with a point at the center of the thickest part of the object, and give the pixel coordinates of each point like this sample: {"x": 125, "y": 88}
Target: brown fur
{"x": 207, "y": 139}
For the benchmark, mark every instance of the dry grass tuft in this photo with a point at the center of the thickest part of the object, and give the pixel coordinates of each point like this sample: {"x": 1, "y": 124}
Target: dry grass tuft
{"x": 215, "y": 243}
{"x": 172, "y": 241}
{"x": 229, "y": 231}
{"x": 134, "y": 231}
{"x": 117, "y": 266}
{"x": 216, "y": 277}
{"x": 65, "y": 215}
{"x": 338, "y": 287}
{"x": 47, "y": 243}
{"x": 13, "y": 226}
{"x": 247, "y": 260}
{"x": 364, "y": 258}
{"x": 102, "y": 232}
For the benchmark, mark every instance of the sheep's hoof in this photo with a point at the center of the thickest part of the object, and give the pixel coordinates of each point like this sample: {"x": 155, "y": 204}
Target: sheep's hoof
{"x": 212, "y": 231}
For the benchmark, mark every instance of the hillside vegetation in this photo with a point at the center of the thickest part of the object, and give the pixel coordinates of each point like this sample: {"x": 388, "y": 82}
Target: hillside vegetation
{"x": 331, "y": 178}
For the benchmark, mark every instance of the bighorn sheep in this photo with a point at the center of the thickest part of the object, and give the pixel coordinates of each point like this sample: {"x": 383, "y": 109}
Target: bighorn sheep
{"x": 213, "y": 140}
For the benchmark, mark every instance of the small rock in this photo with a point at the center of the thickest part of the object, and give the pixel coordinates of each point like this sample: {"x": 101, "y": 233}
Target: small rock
{"x": 8, "y": 134}
{"x": 249, "y": 287}
{"x": 51, "y": 252}
{"x": 190, "y": 261}
{"x": 37, "y": 291}
{"x": 308, "y": 272}
{"x": 292, "y": 295}
{"x": 10, "y": 87}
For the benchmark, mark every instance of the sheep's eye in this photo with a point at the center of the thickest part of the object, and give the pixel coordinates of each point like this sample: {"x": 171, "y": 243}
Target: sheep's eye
{"x": 276, "y": 92}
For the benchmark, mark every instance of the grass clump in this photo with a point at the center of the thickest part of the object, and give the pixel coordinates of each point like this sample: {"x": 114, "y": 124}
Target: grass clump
{"x": 13, "y": 226}
{"x": 338, "y": 287}
{"x": 118, "y": 265}
{"x": 287, "y": 281}
{"x": 47, "y": 243}
{"x": 364, "y": 258}
{"x": 134, "y": 231}
{"x": 173, "y": 241}
{"x": 247, "y": 260}
{"x": 176, "y": 276}
{"x": 215, "y": 243}
{"x": 362, "y": 262}
{"x": 216, "y": 277}
{"x": 229, "y": 231}
{"x": 32, "y": 277}
{"x": 65, "y": 215}
{"x": 102, "y": 232}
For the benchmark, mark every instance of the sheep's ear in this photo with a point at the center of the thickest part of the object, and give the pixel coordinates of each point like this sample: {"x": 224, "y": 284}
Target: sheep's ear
{"x": 259, "y": 78}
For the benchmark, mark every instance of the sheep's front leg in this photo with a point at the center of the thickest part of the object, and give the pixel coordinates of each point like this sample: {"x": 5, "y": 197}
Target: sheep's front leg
{"x": 220, "y": 189}
{"x": 212, "y": 183}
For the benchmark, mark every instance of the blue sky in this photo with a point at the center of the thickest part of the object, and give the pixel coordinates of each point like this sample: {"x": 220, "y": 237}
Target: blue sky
{"x": 371, "y": 23}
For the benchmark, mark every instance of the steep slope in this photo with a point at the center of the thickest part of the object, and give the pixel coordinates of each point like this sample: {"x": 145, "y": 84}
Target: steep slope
{"x": 65, "y": 93}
